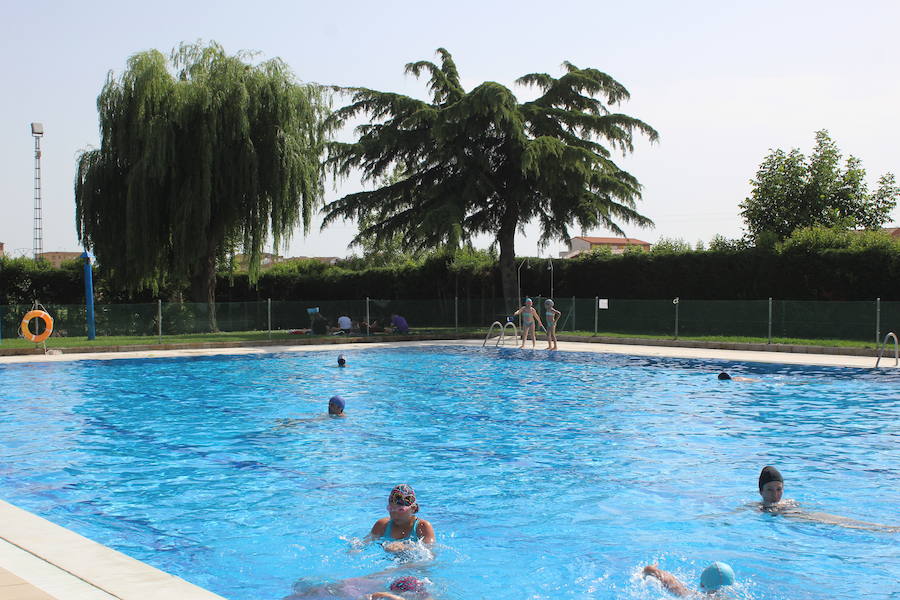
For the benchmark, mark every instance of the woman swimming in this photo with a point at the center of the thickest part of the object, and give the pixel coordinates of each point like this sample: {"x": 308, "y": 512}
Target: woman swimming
{"x": 402, "y": 528}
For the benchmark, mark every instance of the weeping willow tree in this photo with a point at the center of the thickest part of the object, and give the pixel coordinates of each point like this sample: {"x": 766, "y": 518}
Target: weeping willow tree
{"x": 201, "y": 156}
{"x": 482, "y": 162}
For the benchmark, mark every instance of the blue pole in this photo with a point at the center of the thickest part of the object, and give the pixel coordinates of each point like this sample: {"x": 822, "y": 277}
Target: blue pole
{"x": 89, "y": 294}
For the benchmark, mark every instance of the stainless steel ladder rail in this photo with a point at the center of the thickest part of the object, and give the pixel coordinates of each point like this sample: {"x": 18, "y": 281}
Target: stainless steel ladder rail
{"x": 502, "y": 335}
{"x": 889, "y": 335}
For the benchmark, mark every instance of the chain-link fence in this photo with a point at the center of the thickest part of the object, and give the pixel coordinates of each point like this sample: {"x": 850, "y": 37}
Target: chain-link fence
{"x": 767, "y": 319}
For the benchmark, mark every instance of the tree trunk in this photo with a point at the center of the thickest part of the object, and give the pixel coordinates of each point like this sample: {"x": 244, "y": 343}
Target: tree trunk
{"x": 203, "y": 289}
{"x": 507, "y": 241}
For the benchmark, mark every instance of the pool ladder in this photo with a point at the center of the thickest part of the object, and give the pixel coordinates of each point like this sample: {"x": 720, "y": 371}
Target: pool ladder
{"x": 889, "y": 335}
{"x": 502, "y": 327}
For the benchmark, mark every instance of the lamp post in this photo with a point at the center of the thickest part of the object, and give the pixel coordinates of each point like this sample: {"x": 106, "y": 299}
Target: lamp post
{"x": 550, "y": 268}
{"x": 519, "y": 279}
{"x": 37, "y": 130}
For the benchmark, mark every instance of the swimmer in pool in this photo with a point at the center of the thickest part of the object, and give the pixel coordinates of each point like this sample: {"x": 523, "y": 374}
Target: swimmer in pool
{"x": 723, "y": 376}
{"x": 342, "y": 362}
{"x": 529, "y": 318}
{"x": 714, "y": 577}
{"x": 409, "y": 587}
{"x": 336, "y": 407}
{"x": 402, "y": 528}
{"x": 552, "y": 315}
{"x": 369, "y": 587}
{"x": 771, "y": 489}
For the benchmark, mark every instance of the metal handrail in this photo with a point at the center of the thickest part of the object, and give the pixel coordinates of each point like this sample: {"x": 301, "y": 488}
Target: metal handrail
{"x": 502, "y": 335}
{"x": 889, "y": 335}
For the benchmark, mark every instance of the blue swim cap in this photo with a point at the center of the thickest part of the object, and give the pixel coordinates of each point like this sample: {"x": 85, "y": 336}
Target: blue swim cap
{"x": 337, "y": 402}
{"x": 527, "y": 300}
{"x": 715, "y": 576}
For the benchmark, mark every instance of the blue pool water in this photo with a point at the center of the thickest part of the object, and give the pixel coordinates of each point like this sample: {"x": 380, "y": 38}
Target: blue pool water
{"x": 545, "y": 476}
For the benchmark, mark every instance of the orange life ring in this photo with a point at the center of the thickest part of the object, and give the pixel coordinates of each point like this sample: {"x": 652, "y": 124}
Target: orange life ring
{"x": 48, "y": 324}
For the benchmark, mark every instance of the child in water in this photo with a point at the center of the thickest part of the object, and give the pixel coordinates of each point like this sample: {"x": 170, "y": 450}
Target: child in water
{"x": 336, "y": 407}
{"x": 552, "y": 316}
{"x": 529, "y": 317}
{"x": 714, "y": 577}
{"x": 402, "y": 528}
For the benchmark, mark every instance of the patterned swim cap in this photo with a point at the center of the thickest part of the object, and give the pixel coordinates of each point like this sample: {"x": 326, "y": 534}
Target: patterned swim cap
{"x": 548, "y": 302}
{"x": 407, "y": 584}
{"x": 403, "y": 495}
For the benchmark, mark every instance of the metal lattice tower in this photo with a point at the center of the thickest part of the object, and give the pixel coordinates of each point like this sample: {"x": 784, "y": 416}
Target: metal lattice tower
{"x": 37, "y": 130}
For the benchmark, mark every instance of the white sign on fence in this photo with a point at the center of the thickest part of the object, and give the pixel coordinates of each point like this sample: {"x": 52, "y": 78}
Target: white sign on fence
{"x": 603, "y": 303}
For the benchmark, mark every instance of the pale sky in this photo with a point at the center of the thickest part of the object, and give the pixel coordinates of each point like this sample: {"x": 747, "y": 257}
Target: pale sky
{"x": 722, "y": 82}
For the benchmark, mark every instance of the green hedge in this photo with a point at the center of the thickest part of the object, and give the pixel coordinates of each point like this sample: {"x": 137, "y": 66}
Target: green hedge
{"x": 811, "y": 265}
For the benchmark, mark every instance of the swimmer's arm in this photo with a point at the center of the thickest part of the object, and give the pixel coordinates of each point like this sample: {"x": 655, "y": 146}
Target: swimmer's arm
{"x": 377, "y": 530}
{"x": 537, "y": 318}
{"x": 425, "y": 531}
{"x": 668, "y": 580}
{"x": 387, "y": 595}
{"x": 818, "y": 517}
{"x": 518, "y": 312}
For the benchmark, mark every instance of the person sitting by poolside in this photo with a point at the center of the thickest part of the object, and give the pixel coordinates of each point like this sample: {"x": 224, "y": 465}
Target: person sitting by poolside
{"x": 399, "y": 323}
{"x": 373, "y": 327}
{"x": 723, "y": 376}
{"x": 345, "y": 324}
{"x": 319, "y": 325}
{"x": 336, "y": 407}
{"x": 771, "y": 489}
{"x": 402, "y": 528}
{"x": 714, "y": 577}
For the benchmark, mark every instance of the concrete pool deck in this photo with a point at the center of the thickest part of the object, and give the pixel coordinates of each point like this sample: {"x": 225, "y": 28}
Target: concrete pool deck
{"x": 43, "y": 561}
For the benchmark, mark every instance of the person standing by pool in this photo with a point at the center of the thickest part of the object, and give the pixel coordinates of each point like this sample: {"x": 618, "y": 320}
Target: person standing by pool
{"x": 771, "y": 489}
{"x": 529, "y": 317}
{"x": 402, "y": 528}
{"x": 714, "y": 577}
{"x": 553, "y": 317}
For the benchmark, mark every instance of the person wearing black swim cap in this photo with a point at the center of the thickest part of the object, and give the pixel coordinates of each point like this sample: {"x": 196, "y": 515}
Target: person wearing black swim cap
{"x": 771, "y": 486}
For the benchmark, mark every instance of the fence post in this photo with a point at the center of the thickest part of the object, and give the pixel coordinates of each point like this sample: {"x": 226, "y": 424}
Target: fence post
{"x": 573, "y": 313}
{"x": 877, "y": 321}
{"x": 159, "y": 318}
{"x": 770, "y": 319}
{"x": 270, "y": 319}
{"x": 596, "y": 310}
{"x": 675, "y": 302}
{"x": 368, "y": 320}
{"x": 456, "y": 313}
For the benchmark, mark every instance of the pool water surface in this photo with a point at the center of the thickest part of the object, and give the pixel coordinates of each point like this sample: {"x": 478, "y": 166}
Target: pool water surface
{"x": 545, "y": 475}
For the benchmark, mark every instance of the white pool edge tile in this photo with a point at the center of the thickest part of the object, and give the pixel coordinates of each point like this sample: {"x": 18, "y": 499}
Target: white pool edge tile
{"x": 73, "y": 564}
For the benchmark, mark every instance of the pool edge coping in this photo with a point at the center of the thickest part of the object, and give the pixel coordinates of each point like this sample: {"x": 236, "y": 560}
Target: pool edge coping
{"x": 109, "y": 571}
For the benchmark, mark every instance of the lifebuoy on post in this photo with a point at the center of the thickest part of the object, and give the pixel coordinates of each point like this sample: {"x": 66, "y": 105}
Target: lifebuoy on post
{"x": 48, "y": 326}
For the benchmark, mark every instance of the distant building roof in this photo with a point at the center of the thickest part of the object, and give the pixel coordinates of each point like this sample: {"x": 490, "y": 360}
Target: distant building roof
{"x": 609, "y": 240}
{"x": 893, "y": 231}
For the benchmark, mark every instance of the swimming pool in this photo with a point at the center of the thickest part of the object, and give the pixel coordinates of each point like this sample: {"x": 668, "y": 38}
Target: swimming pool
{"x": 545, "y": 475}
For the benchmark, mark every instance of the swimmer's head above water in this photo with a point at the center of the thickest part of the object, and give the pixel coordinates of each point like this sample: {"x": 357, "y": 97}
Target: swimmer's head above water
{"x": 336, "y": 405}
{"x": 771, "y": 485}
{"x": 402, "y": 499}
{"x": 715, "y": 577}
{"x": 342, "y": 362}
{"x": 723, "y": 376}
